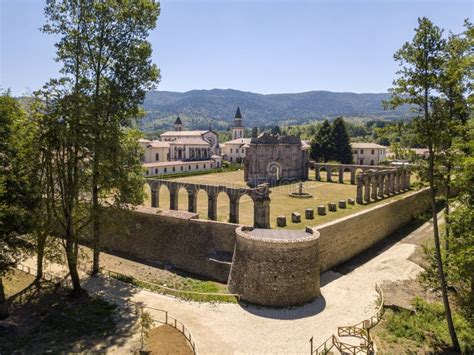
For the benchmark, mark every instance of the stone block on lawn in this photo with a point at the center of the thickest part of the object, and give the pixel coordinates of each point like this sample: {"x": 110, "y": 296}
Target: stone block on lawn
{"x": 342, "y": 204}
{"x": 309, "y": 213}
{"x": 332, "y": 207}
{"x": 295, "y": 217}
{"x": 351, "y": 201}
{"x": 322, "y": 210}
{"x": 281, "y": 221}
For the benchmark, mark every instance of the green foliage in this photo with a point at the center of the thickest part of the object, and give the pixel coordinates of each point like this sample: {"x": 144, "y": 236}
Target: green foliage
{"x": 427, "y": 326}
{"x": 19, "y": 193}
{"x": 332, "y": 142}
{"x": 342, "y": 147}
{"x": 322, "y": 145}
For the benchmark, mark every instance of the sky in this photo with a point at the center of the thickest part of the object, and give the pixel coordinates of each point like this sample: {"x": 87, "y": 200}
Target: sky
{"x": 265, "y": 46}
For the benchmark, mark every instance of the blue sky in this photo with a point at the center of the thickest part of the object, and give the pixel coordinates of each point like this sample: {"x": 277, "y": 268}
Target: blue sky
{"x": 261, "y": 46}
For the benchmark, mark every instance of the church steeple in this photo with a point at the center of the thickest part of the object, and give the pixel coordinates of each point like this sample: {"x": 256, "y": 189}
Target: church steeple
{"x": 238, "y": 128}
{"x": 178, "y": 125}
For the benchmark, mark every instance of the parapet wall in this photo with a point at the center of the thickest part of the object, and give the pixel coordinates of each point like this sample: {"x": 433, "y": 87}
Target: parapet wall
{"x": 178, "y": 238}
{"x": 344, "y": 238}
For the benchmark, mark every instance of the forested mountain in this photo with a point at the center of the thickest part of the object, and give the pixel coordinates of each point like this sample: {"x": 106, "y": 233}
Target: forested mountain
{"x": 199, "y": 108}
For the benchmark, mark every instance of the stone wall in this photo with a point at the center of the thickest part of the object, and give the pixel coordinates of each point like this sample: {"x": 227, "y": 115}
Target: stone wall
{"x": 198, "y": 246}
{"x": 275, "y": 268}
{"x": 344, "y": 238}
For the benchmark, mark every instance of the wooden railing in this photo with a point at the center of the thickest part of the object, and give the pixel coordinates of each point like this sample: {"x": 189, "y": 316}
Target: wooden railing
{"x": 359, "y": 330}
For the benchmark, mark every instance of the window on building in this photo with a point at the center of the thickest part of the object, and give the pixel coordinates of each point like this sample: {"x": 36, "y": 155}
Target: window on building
{"x": 174, "y": 169}
{"x": 355, "y": 151}
{"x": 189, "y": 167}
{"x": 231, "y": 159}
{"x": 147, "y": 172}
{"x": 362, "y": 151}
{"x": 373, "y": 151}
{"x": 156, "y": 170}
{"x": 372, "y": 162}
{"x": 181, "y": 168}
{"x": 166, "y": 170}
{"x": 204, "y": 166}
{"x": 197, "y": 166}
{"x": 361, "y": 161}
{"x": 231, "y": 150}
{"x": 242, "y": 151}
{"x": 157, "y": 156}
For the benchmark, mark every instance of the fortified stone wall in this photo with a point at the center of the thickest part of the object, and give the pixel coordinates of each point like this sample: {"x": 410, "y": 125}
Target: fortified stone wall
{"x": 275, "y": 268}
{"x": 344, "y": 238}
{"x": 175, "y": 237}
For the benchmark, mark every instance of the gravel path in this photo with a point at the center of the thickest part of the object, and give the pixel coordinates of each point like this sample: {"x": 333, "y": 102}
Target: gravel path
{"x": 236, "y": 329}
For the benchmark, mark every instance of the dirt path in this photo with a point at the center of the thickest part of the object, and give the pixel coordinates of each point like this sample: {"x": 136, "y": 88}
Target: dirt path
{"x": 238, "y": 329}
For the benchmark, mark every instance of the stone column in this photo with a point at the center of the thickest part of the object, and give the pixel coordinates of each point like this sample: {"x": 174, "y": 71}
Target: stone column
{"x": 397, "y": 182}
{"x": 366, "y": 180}
{"x": 374, "y": 179}
{"x": 173, "y": 197}
{"x": 261, "y": 206}
{"x": 234, "y": 208}
{"x": 212, "y": 205}
{"x": 341, "y": 175}
{"x": 318, "y": 173}
{"x": 155, "y": 197}
{"x": 386, "y": 183}
{"x": 329, "y": 175}
{"x": 353, "y": 176}
{"x": 408, "y": 179}
{"x": 360, "y": 183}
{"x": 380, "y": 186}
{"x": 392, "y": 183}
{"x": 192, "y": 200}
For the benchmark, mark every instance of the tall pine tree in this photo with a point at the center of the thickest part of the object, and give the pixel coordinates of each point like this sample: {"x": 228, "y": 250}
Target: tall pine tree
{"x": 342, "y": 151}
{"x": 322, "y": 147}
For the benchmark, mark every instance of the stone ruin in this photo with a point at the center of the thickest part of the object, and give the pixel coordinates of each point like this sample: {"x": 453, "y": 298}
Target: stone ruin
{"x": 275, "y": 159}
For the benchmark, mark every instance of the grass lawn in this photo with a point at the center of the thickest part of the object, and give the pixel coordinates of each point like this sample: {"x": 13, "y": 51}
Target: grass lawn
{"x": 281, "y": 204}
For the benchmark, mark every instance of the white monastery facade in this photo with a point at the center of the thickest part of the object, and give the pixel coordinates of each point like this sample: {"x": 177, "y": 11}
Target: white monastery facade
{"x": 368, "y": 153}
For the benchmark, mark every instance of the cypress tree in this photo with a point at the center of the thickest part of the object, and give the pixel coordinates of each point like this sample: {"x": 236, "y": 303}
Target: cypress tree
{"x": 322, "y": 143}
{"x": 342, "y": 151}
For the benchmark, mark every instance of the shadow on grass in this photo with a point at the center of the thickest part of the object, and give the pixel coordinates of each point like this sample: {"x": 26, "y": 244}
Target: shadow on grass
{"x": 44, "y": 318}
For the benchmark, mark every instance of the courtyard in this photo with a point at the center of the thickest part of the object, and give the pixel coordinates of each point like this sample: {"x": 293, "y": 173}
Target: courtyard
{"x": 281, "y": 204}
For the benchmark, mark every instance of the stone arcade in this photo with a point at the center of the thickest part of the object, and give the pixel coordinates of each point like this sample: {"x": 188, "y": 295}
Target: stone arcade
{"x": 260, "y": 196}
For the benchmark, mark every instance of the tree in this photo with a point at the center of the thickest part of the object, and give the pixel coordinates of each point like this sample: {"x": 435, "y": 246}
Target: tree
{"x": 322, "y": 143}
{"x": 342, "y": 151}
{"x": 19, "y": 194}
{"x": 103, "y": 44}
{"x": 417, "y": 84}
{"x": 64, "y": 139}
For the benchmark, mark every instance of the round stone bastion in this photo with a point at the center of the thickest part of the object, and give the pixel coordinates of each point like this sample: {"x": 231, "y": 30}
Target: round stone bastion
{"x": 275, "y": 268}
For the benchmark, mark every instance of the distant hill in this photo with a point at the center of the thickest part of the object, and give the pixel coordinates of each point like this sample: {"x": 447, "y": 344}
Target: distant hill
{"x": 198, "y": 108}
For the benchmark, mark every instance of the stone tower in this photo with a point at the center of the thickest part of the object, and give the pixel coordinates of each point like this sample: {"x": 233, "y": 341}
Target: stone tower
{"x": 178, "y": 125}
{"x": 238, "y": 129}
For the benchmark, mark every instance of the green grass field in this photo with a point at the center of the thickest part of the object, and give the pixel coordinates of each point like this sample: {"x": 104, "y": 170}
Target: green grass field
{"x": 281, "y": 204}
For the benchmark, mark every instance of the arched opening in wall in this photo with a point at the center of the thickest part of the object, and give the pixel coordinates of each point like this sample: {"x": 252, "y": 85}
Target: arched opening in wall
{"x": 146, "y": 195}
{"x": 334, "y": 174}
{"x": 223, "y": 206}
{"x": 202, "y": 204}
{"x": 164, "y": 197}
{"x": 347, "y": 175}
{"x": 182, "y": 199}
{"x": 246, "y": 210}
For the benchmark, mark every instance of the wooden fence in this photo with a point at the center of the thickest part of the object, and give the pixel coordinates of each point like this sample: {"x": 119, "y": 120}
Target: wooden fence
{"x": 360, "y": 330}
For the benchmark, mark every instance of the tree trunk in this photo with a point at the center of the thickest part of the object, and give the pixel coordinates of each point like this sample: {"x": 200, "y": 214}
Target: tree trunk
{"x": 95, "y": 226}
{"x": 446, "y": 208}
{"x": 41, "y": 244}
{"x": 4, "y": 309}
{"x": 439, "y": 262}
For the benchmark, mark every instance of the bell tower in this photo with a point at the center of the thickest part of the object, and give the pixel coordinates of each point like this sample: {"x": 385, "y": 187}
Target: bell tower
{"x": 178, "y": 125}
{"x": 238, "y": 128}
